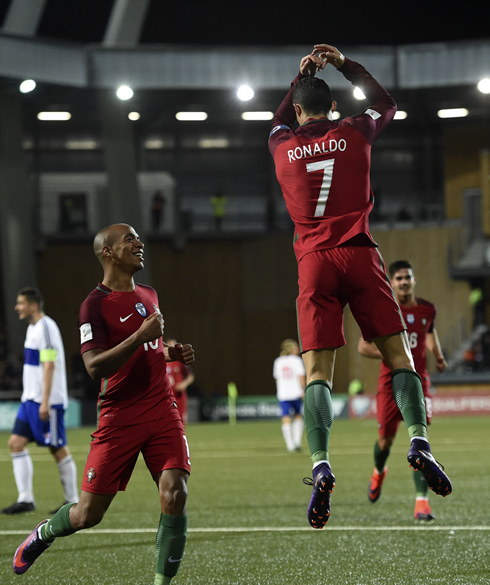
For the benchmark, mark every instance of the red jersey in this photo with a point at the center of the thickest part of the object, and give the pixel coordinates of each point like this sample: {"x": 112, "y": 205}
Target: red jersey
{"x": 419, "y": 321}
{"x": 140, "y": 391}
{"x": 323, "y": 166}
{"x": 176, "y": 372}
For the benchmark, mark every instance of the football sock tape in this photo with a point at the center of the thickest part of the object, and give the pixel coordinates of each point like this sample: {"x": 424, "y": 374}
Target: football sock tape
{"x": 409, "y": 397}
{"x": 318, "y": 416}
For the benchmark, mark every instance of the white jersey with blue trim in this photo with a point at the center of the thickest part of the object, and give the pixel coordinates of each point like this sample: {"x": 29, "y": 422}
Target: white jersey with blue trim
{"x": 41, "y": 336}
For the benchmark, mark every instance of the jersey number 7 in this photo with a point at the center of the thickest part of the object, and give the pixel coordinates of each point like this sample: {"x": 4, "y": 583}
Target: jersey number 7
{"x": 327, "y": 167}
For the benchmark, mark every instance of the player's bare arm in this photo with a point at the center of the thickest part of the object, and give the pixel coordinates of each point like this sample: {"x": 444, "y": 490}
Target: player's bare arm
{"x": 104, "y": 363}
{"x": 179, "y": 352}
{"x": 368, "y": 349}
{"x": 434, "y": 346}
{"x": 48, "y": 371}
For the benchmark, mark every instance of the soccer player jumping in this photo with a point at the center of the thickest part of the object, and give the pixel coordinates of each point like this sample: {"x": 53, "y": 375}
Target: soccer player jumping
{"x": 323, "y": 169}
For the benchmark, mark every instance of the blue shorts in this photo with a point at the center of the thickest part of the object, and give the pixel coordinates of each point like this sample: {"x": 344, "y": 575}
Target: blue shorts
{"x": 49, "y": 433}
{"x": 291, "y": 407}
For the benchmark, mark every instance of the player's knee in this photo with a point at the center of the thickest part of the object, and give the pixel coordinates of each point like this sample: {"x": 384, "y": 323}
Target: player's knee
{"x": 16, "y": 443}
{"x": 173, "y": 495}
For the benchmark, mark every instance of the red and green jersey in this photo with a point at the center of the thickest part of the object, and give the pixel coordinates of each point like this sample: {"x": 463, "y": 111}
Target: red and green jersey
{"x": 419, "y": 321}
{"x": 140, "y": 390}
{"x": 323, "y": 166}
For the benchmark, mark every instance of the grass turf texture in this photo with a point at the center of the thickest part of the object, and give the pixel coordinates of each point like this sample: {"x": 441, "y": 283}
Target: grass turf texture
{"x": 247, "y": 514}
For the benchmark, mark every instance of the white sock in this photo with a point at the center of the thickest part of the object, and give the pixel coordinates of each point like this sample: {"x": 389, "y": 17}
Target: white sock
{"x": 68, "y": 476}
{"x": 288, "y": 436}
{"x": 23, "y": 471}
{"x": 298, "y": 426}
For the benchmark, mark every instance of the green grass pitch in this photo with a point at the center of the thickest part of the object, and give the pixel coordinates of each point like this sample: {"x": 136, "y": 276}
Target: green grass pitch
{"x": 247, "y": 514}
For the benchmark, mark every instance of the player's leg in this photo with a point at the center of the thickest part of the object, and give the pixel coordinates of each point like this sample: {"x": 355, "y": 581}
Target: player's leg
{"x": 23, "y": 473}
{"x": 58, "y": 448}
{"x": 27, "y": 428}
{"x": 423, "y": 510}
{"x": 172, "y": 529}
{"x": 286, "y": 426}
{"x": 167, "y": 457}
{"x": 409, "y": 397}
{"x": 298, "y": 426}
{"x": 69, "y": 519}
{"x": 318, "y": 417}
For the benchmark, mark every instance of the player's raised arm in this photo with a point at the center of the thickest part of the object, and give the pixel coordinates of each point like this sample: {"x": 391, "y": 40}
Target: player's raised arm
{"x": 179, "y": 352}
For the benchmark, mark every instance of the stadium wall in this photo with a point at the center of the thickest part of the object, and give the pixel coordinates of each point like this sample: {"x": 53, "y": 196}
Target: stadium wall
{"x": 234, "y": 300}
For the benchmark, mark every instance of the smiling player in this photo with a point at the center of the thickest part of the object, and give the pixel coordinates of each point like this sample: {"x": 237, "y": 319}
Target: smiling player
{"x": 121, "y": 331}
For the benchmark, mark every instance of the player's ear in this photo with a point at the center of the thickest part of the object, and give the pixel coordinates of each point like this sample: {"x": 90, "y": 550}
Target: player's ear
{"x": 298, "y": 109}
{"x": 106, "y": 251}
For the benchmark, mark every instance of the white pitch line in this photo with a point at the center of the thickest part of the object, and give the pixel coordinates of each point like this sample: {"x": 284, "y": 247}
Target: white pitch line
{"x": 273, "y": 529}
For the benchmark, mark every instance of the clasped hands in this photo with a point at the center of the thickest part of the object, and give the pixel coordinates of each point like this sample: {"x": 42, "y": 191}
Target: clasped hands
{"x": 320, "y": 56}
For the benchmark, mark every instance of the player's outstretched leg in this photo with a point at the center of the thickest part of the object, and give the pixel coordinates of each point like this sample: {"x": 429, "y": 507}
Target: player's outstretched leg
{"x": 32, "y": 547}
{"x": 421, "y": 459}
{"x": 323, "y": 483}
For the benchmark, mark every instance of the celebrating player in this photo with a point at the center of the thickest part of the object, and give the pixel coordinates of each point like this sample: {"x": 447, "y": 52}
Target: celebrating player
{"x": 289, "y": 373}
{"x": 419, "y": 316}
{"x": 323, "y": 169}
{"x": 121, "y": 331}
{"x": 43, "y": 403}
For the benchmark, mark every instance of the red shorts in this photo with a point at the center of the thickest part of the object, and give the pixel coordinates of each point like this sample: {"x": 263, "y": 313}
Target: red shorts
{"x": 388, "y": 413}
{"x": 329, "y": 280}
{"x": 114, "y": 452}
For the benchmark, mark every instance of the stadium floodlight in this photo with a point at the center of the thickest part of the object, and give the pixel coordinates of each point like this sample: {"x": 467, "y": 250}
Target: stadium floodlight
{"x": 154, "y": 143}
{"x": 191, "y": 116}
{"x": 124, "y": 92}
{"x": 484, "y": 85}
{"x": 453, "y": 113}
{"x": 400, "y": 115}
{"x": 54, "y": 116}
{"x": 133, "y": 116}
{"x": 359, "y": 94}
{"x": 257, "y": 115}
{"x": 245, "y": 93}
{"x": 27, "y": 86}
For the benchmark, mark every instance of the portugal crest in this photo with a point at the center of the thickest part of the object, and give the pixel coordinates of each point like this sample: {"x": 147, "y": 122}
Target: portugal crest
{"x": 140, "y": 307}
{"x": 90, "y": 474}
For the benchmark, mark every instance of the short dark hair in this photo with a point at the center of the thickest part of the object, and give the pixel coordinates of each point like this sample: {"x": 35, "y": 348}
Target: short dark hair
{"x": 398, "y": 265}
{"x": 313, "y": 95}
{"x": 33, "y": 295}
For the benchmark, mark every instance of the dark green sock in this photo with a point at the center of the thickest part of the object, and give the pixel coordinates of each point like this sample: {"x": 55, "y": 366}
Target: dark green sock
{"x": 421, "y": 487}
{"x": 409, "y": 397}
{"x": 380, "y": 457}
{"x": 171, "y": 537}
{"x": 59, "y": 525}
{"x": 318, "y": 413}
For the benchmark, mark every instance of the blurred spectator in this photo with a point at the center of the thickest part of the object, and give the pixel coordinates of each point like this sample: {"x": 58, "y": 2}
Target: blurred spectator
{"x": 158, "y": 203}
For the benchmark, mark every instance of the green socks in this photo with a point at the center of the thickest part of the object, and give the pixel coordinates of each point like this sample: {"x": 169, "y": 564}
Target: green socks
{"x": 171, "y": 537}
{"x": 318, "y": 414}
{"x": 409, "y": 397}
{"x": 380, "y": 457}
{"x": 59, "y": 525}
{"x": 421, "y": 487}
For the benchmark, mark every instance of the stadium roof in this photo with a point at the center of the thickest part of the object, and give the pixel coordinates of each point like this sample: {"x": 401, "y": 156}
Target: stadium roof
{"x": 211, "y": 22}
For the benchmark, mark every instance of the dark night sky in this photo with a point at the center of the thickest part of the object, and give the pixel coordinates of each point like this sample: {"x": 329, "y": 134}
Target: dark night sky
{"x": 209, "y": 22}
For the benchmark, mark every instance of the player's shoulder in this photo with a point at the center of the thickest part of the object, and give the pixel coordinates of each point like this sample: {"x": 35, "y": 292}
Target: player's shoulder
{"x": 424, "y": 304}
{"x": 145, "y": 288}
